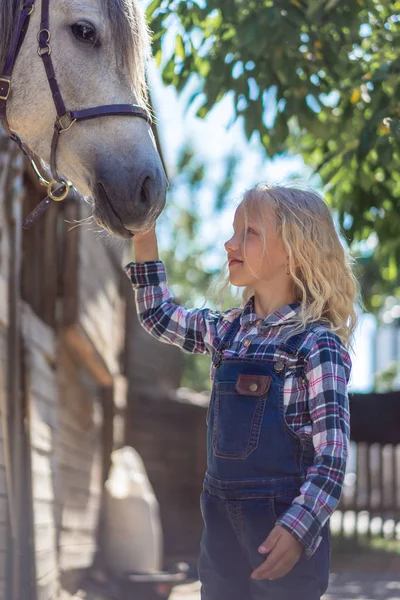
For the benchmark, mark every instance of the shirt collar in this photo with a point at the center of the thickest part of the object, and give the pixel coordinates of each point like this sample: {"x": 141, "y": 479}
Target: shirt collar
{"x": 280, "y": 317}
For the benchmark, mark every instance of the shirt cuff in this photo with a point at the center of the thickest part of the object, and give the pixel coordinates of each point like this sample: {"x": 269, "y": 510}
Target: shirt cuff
{"x": 302, "y": 525}
{"x": 147, "y": 273}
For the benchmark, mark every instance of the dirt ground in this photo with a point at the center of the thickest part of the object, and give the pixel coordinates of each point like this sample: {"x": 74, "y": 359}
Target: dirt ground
{"x": 357, "y": 573}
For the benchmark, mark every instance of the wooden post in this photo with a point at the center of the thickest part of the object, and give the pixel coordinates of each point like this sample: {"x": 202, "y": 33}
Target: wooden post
{"x": 11, "y": 189}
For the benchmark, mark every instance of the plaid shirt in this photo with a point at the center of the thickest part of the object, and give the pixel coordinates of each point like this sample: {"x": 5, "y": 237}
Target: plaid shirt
{"x": 315, "y": 399}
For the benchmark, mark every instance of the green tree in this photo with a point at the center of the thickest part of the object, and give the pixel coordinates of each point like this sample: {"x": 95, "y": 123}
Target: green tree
{"x": 320, "y": 78}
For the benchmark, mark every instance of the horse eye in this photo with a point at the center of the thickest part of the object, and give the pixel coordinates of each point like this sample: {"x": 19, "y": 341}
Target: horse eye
{"x": 85, "y": 32}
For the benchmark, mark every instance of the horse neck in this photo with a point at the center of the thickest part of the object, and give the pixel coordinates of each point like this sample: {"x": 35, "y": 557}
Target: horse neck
{"x": 8, "y": 14}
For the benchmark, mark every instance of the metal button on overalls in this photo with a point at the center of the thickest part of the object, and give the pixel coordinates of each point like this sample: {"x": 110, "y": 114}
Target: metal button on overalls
{"x": 279, "y": 366}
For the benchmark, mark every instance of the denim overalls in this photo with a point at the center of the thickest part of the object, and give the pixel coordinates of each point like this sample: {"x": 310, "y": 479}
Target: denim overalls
{"x": 255, "y": 467}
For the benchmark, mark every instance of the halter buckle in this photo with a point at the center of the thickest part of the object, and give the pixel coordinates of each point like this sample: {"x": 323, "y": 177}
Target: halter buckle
{"x": 5, "y": 88}
{"x": 65, "y": 126}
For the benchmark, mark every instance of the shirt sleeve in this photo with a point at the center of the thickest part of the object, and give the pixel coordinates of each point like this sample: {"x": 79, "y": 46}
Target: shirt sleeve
{"x": 193, "y": 330}
{"x": 328, "y": 370}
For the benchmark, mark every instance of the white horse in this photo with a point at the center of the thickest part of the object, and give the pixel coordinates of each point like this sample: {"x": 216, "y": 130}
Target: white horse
{"x": 99, "y": 50}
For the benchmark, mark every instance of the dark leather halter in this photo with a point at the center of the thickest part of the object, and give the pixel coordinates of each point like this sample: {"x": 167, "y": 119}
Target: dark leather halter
{"x": 58, "y": 188}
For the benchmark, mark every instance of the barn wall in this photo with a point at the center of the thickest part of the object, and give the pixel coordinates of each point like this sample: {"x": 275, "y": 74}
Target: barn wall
{"x": 42, "y": 399}
{"x": 4, "y": 267}
{"x": 101, "y": 308}
{"x": 65, "y": 424}
{"x": 170, "y": 435}
{"x": 75, "y": 328}
{"x": 149, "y": 364}
{"x": 3, "y": 481}
{"x": 10, "y": 203}
{"x": 73, "y": 338}
{"x": 80, "y": 459}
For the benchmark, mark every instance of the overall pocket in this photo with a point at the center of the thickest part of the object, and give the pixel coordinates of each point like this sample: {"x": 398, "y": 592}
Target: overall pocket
{"x": 238, "y": 415}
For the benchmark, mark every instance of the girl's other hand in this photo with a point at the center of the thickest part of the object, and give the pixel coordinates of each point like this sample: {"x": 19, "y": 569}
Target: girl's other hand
{"x": 284, "y": 552}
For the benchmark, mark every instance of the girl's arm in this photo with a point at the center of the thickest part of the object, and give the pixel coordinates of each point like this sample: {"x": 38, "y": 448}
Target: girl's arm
{"x": 328, "y": 373}
{"x": 193, "y": 330}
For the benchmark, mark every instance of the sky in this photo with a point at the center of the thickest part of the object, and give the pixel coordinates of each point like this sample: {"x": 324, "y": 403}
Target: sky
{"x": 212, "y": 140}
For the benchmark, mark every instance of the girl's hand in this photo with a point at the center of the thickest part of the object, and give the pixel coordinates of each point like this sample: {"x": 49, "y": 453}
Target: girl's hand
{"x": 145, "y": 245}
{"x": 146, "y": 235}
{"x": 284, "y": 552}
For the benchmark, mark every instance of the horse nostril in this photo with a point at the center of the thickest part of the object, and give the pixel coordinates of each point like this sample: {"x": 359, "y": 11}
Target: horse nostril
{"x": 145, "y": 192}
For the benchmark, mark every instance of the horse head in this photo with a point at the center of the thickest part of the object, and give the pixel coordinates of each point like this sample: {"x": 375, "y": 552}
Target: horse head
{"x": 98, "y": 50}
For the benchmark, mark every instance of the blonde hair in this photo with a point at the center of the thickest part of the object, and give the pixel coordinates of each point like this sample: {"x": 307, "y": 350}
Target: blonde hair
{"x": 321, "y": 269}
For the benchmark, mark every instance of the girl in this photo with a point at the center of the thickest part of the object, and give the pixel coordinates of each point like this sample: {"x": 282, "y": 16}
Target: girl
{"x": 278, "y": 422}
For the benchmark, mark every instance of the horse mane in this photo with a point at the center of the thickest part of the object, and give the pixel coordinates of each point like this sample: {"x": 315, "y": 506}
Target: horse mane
{"x": 132, "y": 41}
{"x": 129, "y": 30}
{"x": 8, "y": 10}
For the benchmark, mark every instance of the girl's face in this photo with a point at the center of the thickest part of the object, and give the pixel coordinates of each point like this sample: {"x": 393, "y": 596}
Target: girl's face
{"x": 248, "y": 264}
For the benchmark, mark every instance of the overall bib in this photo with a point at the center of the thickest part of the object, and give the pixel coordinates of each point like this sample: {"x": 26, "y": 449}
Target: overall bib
{"x": 255, "y": 467}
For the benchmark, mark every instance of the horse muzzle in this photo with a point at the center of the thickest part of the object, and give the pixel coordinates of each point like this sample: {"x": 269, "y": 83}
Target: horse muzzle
{"x": 123, "y": 206}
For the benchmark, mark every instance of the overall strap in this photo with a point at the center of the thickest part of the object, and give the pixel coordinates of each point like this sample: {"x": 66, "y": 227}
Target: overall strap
{"x": 293, "y": 344}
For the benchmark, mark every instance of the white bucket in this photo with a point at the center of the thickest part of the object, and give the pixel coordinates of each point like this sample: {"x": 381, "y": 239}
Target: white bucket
{"x": 133, "y": 534}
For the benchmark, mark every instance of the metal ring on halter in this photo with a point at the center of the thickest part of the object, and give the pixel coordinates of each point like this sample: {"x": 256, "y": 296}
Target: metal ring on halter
{"x": 48, "y": 35}
{"x": 51, "y": 191}
{"x": 31, "y": 11}
{"x": 45, "y": 50}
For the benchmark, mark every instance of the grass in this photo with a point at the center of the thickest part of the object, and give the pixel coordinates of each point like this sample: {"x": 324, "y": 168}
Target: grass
{"x": 366, "y": 555}
{"x": 374, "y": 544}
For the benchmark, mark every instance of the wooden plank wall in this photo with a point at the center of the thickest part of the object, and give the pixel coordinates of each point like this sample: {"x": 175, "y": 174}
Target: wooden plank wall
{"x": 80, "y": 461}
{"x": 101, "y": 307}
{"x": 10, "y": 189}
{"x": 65, "y": 431}
{"x": 5, "y": 158}
{"x": 149, "y": 364}
{"x": 3, "y": 481}
{"x": 41, "y": 251}
{"x": 42, "y": 399}
{"x": 170, "y": 436}
{"x": 63, "y": 396}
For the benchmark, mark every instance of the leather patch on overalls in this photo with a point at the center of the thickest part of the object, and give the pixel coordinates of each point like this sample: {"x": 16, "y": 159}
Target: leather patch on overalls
{"x": 252, "y": 385}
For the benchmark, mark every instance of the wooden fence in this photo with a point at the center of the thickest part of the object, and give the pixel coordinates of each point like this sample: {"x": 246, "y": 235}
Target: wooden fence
{"x": 371, "y": 496}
